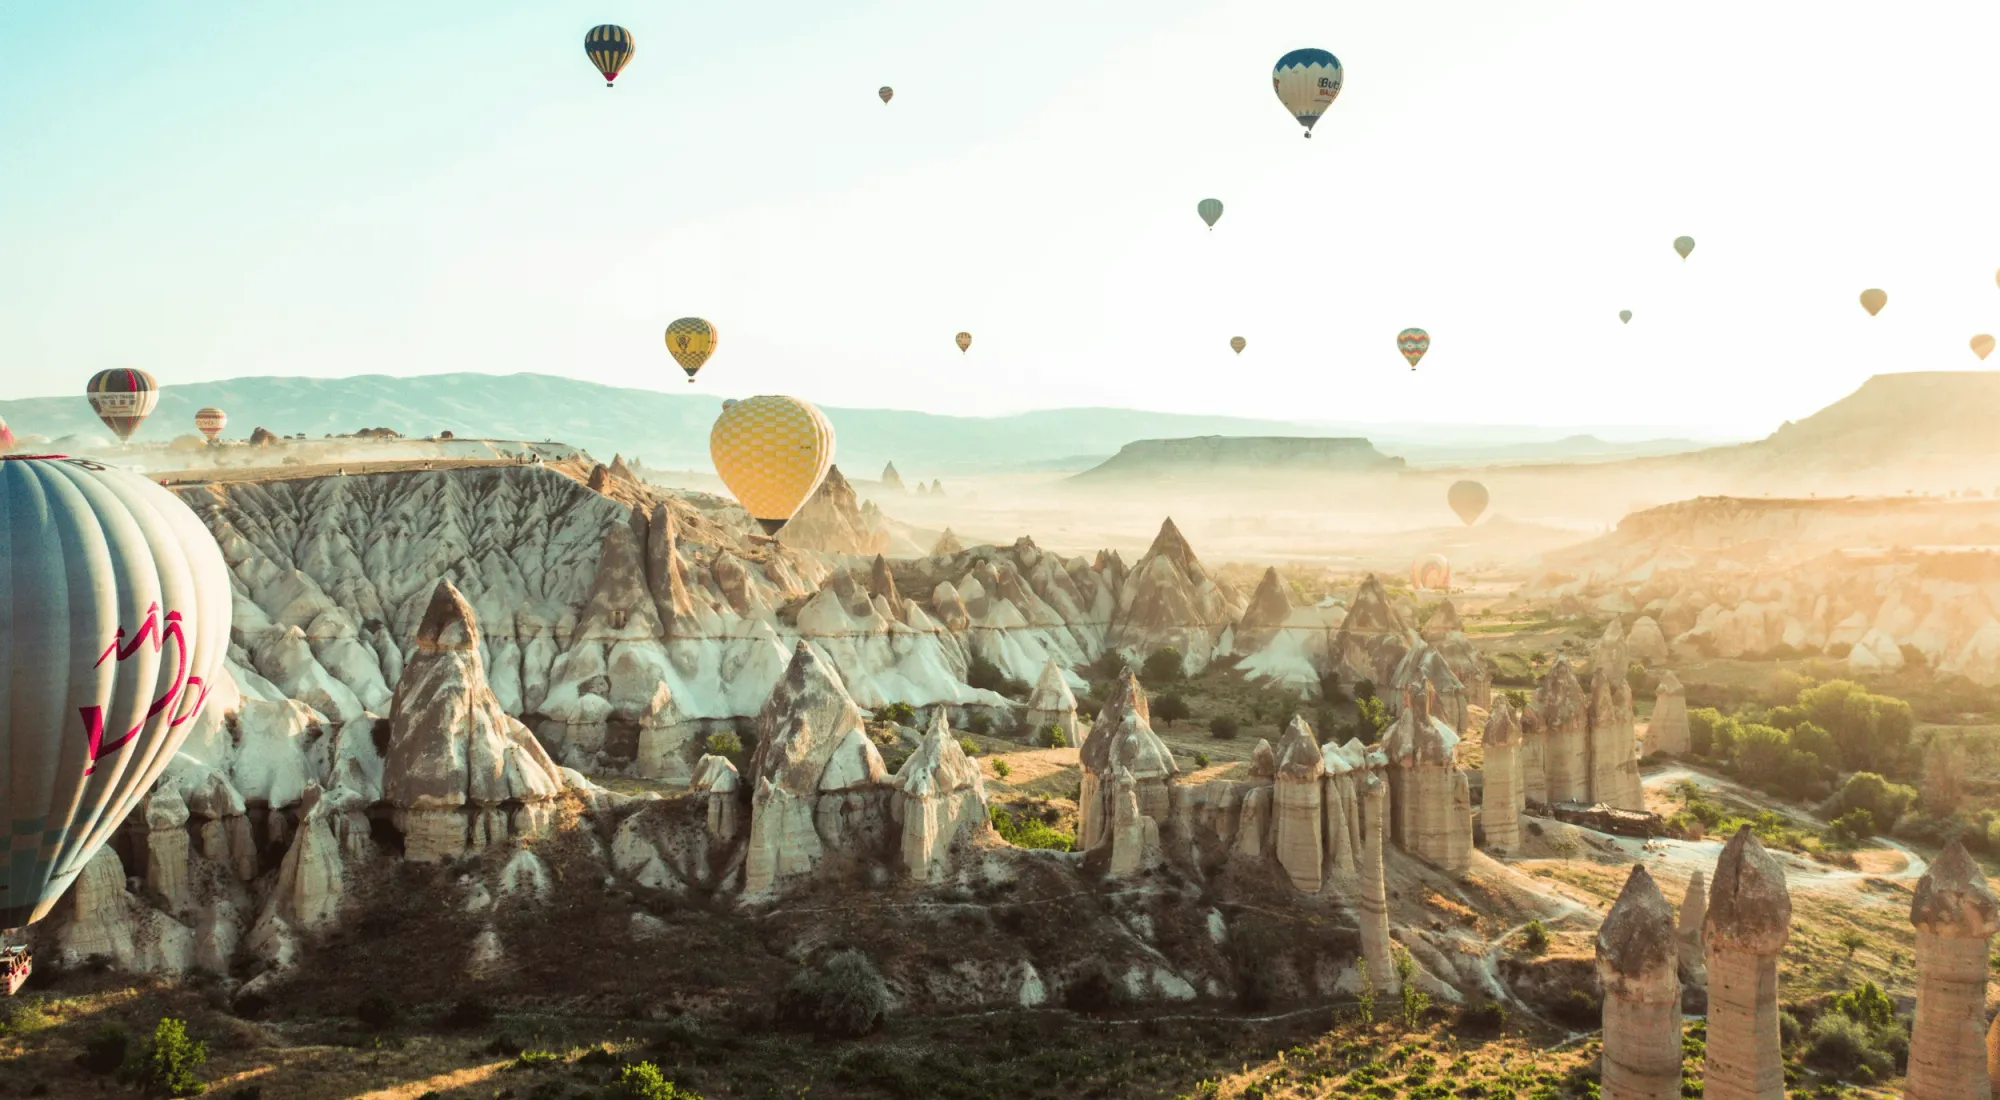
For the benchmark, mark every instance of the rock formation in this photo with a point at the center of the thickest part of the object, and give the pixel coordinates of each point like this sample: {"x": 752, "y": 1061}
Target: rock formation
{"x": 1371, "y": 641}
{"x": 1424, "y": 671}
{"x": 1668, "y": 730}
{"x": 460, "y": 772}
{"x": 1565, "y": 722}
{"x": 1637, "y": 961}
{"x": 100, "y": 917}
{"x": 1445, "y": 633}
{"x": 1614, "y": 756}
{"x": 834, "y": 520}
{"x": 1346, "y": 767}
{"x": 1692, "y": 936}
{"x": 1749, "y": 920}
{"x": 947, "y": 544}
{"x": 1170, "y": 600}
{"x": 940, "y": 801}
{"x": 1052, "y": 704}
{"x": 1121, "y": 740}
{"x": 1646, "y": 642}
{"x": 1429, "y": 795}
{"x": 891, "y": 480}
{"x": 1956, "y": 916}
{"x": 1374, "y": 884}
{"x": 1297, "y": 806}
{"x": 1502, "y": 803}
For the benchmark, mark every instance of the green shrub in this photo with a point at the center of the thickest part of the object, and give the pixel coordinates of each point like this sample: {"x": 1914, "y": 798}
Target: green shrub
{"x": 1866, "y": 1005}
{"x": 1883, "y": 801}
{"x": 902, "y": 714}
{"x": 968, "y": 746}
{"x": 1170, "y": 708}
{"x": 1162, "y": 666}
{"x": 1201, "y": 760}
{"x": 1222, "y": 727}
{"x": 844, "y": 998}
{"x": 979, "y": 724}
{"x": 987, "y": 676}
{"x": 1096, "y": 990}
{"x": 104, "y": 1052}
{"x": 1415, "y": 1002}
{"x": 536, "y": 1059}
{"x": 643, "y": 1081}
{"x": 168, "y": 1064}
{"x": 1051, "y": 736}
{"x": 1837, "y": 1042}
{"x": 1371, "y": 717}
{"x": 1027, "y": 831}
{"x": 377, "y": 1012}
{"x": 1535, "y": 938}
{"x": 1002, "y": 769}
{"x": 725, "y": 743}
{"x": 1487, "y": 1017}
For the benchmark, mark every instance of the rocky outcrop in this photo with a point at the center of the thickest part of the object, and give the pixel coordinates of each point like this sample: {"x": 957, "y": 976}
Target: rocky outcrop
{"x": 1374, "y": 884}
{"x": 1052, "y": 704}
{"x": 104, "y": 919}
{"x": 947, "y": 544}
{"x": 1646, "y": 641}
{"x": 1692, "y": 935}
{"x": 1121, "y": 740}
{"x": 168, "y": 849}
{"x": 1297, "y": 806}
{"x": 891, "y": 480}
{"x": 1565, "y": 724}
{"x": 1423, "y": 670}
{"x": 834, "y": 520}
{"x": 1132, "y": 838}
{"x": 1749, "y": 921}
{"x": 1170, "y": 600}
{"x": 1614, "y": 756}
{"x": 1956, "y": 915}
{"x": 1637, "y": 964}
{"x": 940, "y": 802}
{"x": 1668, "y": 730}
{"x": 1445, "y": 633}
{"x": 459, "y": 771}
{"x": 1430, "y": 794}
{"x": 1503, "y": 801}
{"x": 1371, "y": 641}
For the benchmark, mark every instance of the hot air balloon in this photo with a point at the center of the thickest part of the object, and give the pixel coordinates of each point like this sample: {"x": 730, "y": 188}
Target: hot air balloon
{"x": 610, "y": 49}
{"x": 1210, "y": 211}
{"x": 1873, "y": 301}
{"x": 1625, "y": 316}
{"x": 887, "y": 93}
{"x": 114, "y": 619}
{"x": 691, "y": 341}
{"x": 1307, "y": 82}
{"x": 1430, "y": 571}
{"x": 964, "y": 341}
{"x": 1684, "y": 245}
{"x": 123, "y": 398}
{"x": 1982, "y": 345}
{"x": 211, "y": 420}
{"x": 772, "y": 452}
{"x": 1413, "y": 343}
{"x": 1237, "y": 344}
{"x": 1468, "y": 499}
{"x": 6, "y": 438}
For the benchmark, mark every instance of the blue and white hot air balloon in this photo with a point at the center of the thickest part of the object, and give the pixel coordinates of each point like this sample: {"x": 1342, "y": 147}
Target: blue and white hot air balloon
{"x": 1307, "y": 82}
{"x": 114, "y": 619}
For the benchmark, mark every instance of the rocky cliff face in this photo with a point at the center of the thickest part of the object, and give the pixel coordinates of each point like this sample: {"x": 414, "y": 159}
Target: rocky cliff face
{"x": 1170, "y": 600}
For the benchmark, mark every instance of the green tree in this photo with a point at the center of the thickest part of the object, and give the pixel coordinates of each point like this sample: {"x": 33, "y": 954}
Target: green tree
{"x": 1163, "y": 666}
{"x": 1415, "y": 1002}
{"x": 169, "y": 1063}
{"x": 1051, "y": 736}
{"x": 1170, "y": 708}
{"x": 1871, "y": 731}
{"x": 1885, "y": 802}
{"x": 643, "y": 1081}
{"x": 1224, "y": 728}
{"x": 1371, "y": 717}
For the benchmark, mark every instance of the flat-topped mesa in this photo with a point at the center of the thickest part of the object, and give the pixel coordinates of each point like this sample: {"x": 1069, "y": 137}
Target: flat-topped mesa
{"x": 1500, "y": 812}
{"x": 1668, "y": 730}
{"x": 1565, "y": 721}
{"x": 1051, "y": 704}
{"x": 1956, "y": 915}
{"x": 1638, "y": 963}
{"x": 459, "y": 771}
{"x": 1298, "y": 804}
{"x": 947, "y": 544}
{"x": 1170, "y": 600}
{"x": 1749, "y": 920}
{"x": 940, "y": 801}
{"x": 1122, "y": 737}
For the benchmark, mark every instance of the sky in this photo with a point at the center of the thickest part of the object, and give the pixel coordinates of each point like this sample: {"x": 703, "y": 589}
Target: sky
{"x": 227, "y": 188}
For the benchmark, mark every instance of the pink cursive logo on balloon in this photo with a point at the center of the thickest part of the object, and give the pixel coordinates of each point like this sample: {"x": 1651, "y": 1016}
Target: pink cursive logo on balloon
{"x": 157, "y": 631}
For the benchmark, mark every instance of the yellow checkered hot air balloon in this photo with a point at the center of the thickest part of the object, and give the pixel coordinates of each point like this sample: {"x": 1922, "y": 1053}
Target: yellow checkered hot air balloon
{"x": 610, "y": 49}
{"x": 691, "y": 340}
{"x": 772, "y": 451}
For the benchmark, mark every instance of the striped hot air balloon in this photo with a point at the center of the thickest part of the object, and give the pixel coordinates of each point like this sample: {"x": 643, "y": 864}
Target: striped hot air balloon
{"x": 1237, "y": 344}
{"x": 964, "y": 341}
{"x": 691, "y": 341}
{"x": 772, "y": 452}
{"x": 123, "y": 398}
{"x": 1210, "y": 211}
{"x": 211, "y": 421}
{"x": 610, "y": 49}
{"x": 1307, "y": 82}
{"x": 1430, "y": 571}
{"x": 887, "y": 93}
{"x": 1413, "y": 343}
{"x": 114, "y": 619}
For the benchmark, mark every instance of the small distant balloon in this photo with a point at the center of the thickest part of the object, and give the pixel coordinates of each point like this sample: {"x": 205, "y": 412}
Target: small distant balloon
{"x": 210, "y": 421}
{"x": 964, "y": 341}
{"x": 1307, "y": 83}
{"x": 1982, "y": 345}
{"x": 1873, "y": 300}
{"x": 1684, "y": 245}
{"x": 1237, "y": 344}
{"x": 610, "y": 49}
{"x": 1413, "y": 343}
{"x": 123, "y": 398}
{"x": 1468, "y": 499}
{"x": 1625, "y": 315}
{"x": 887, "y": 93}
{"x": 1210, "y": 211}
{"x": 691, "y": 341}
{"x": 1430, "y": 571}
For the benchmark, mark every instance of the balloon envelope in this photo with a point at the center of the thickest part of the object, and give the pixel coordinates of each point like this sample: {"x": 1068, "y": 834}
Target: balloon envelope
{"x": 964, "y": 340}
{"x": 772, "y": 452}
{"x": 6, "y": 438}
{"x": 691, "y": 341}
{"x": 210, "y": 421}
{"x": 1237, "y": 343}
{"x": 1430, "y": 571}
{"x": 1413, "y": 343}
{"x": 1625, "y": 315}
{"x": 123, "y": 398}
{"x": 610, "y": 49}
{"x": 1982, "y": 345}
{"x": 1873, "y": 301}
{"x": 1468, "y": 499}
{"x": 1210, "y": 211}
{"x": 1684, "y": 245}
{"x": 1307, "y": 83}
{"x": 114, "y": 619}
{"x": 887, "y": 93}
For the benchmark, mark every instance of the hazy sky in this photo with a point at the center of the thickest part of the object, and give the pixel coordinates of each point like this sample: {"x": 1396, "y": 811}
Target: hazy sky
{"x": 219, "y": 188}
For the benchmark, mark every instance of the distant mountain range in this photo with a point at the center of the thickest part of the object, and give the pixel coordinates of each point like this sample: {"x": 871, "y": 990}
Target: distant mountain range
{"x": 670, "y": 430}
